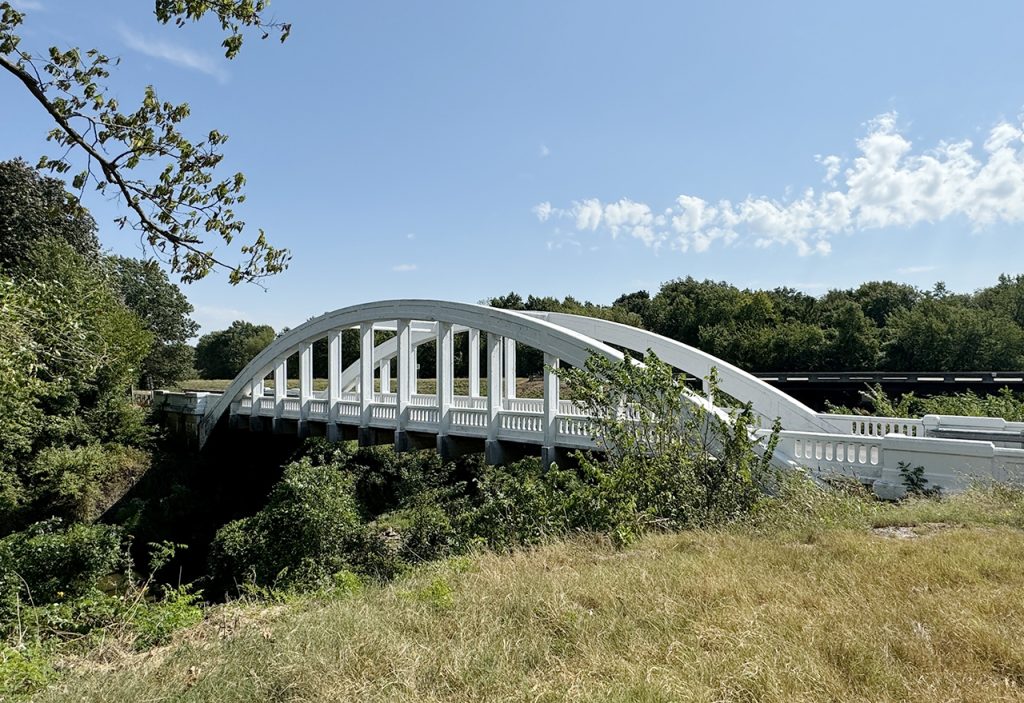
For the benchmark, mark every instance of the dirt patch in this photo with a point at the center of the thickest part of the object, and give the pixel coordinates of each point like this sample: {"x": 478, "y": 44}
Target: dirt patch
{"x": 912, "y": 531}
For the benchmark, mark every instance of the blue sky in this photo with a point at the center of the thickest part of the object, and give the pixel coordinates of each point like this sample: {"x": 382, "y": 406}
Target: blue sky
{"x": 463, "y": 149}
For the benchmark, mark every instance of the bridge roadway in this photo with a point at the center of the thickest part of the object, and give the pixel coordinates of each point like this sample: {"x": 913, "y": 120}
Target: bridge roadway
{"x": 494, "y": 419}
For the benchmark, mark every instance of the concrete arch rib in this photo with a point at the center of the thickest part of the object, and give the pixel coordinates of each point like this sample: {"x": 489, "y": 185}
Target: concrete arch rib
{"x": 571, "y": 346}
{"x": 767, "y": 401}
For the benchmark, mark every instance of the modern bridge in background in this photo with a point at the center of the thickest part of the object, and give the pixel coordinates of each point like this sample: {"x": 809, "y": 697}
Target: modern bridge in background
{"x": 846, "y": 387}
{"x": 374, "y": 398}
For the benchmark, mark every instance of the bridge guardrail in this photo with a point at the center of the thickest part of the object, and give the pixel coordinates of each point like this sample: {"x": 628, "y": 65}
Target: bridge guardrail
{"x": 878, "y": 426}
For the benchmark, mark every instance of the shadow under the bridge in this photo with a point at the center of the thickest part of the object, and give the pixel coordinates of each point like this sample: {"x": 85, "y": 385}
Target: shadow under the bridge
{"x": 448, "y": 446}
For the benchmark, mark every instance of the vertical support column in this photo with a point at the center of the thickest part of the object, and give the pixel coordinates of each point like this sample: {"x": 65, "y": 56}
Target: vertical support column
{"x": 406, "y": 362}
{"x": 385, "y": 376}
{"x": 305, "y": 387}
{"x": 510, "y": 368}
{"x": 334, "y": 369}
{"x": 256, "y": 393}
{"x": 445, "y": 385}
{"x": 414, "y": 370}
{"x": 493, "y": 453}
{"x": 551, "y": 398}
{"x": 473, "y": 352}
{"x": 280, "y": 393}
{"x": 365, "y": 382}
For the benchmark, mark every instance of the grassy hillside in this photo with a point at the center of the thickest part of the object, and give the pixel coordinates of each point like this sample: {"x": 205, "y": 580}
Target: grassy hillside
{"x": 821, "y": 599}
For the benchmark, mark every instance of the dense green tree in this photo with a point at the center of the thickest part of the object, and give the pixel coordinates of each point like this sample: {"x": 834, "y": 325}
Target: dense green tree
{"x": 778, "y": 347}
{"x": 941, "y": 335}
{"x": 1005, "y": 298}
{"x": 36, "y": 208}
{"x": 637, "y": 303}
{"x": 20, "y": 415}
{"x": 223, "y": 354}
{"x": 71, "y": 349}
{"x": 683, "y": 306}
{"x": 879, "y": 299}
{"x": 794, "y": 345}
{"x": 511, "y": 301}
{"x": 792, "y": 304}
{"x": 146, "y": 290}
{"x": 853, "y": 342}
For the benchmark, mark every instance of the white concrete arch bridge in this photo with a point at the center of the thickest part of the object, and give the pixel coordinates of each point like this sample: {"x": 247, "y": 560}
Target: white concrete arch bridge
{"x": 375, "y": 398}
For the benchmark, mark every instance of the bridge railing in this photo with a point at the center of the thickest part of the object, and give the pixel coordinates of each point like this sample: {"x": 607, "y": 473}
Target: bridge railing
{"x": 950, "y": 464}
{"x": 348, "y": 411}
{"x": 470, "y": 421}
{"x": 1001, "y": 432}
{"x": 855, "y": 456}
{"x": 875, "y": 426}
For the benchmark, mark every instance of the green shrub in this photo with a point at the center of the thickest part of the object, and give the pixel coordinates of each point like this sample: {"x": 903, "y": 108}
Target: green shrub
{"x": 1005, "y": 404}
{"x": 522, "y": 504}
{"x": 46, "y": 563}
{"x": 431, "y": 525}
{"x": 301, "y": 536}
{"x": 438, "y": 595}
{"x": 23, "y": 669}
{"x": 131, "y": 616}
{"x": 78, "y": 484}
{"x": 669, "y": 461}
{"x": 383, "y": 479}
{"x": 154, "y": 622}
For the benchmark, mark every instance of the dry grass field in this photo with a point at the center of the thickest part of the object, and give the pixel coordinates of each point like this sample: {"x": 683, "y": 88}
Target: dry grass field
{"x": 823, "y": 599}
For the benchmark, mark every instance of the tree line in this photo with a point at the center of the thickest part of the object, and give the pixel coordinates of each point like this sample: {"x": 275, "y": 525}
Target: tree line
{"x": 879, "y": 325}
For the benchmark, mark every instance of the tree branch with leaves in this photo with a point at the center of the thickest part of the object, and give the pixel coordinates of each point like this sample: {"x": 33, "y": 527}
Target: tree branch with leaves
{"x": 184, "y": 212}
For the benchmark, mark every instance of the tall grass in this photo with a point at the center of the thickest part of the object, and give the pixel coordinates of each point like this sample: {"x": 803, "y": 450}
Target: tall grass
{"x": 805, "y": 603}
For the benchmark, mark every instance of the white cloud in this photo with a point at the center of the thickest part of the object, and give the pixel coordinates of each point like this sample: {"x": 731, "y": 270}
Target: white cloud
{"x": 27, "y": 5}
{"x": 411, "y": 235}
{"x": 544, "y": 151}
{"x": 888, "y": 184}
{"x": 402, "y": 268}
{"x": 587, "y": 214}
{"x": 907, "y": 270}
{"x": 173, "y": 53}
{"x": 832, "y": 165}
